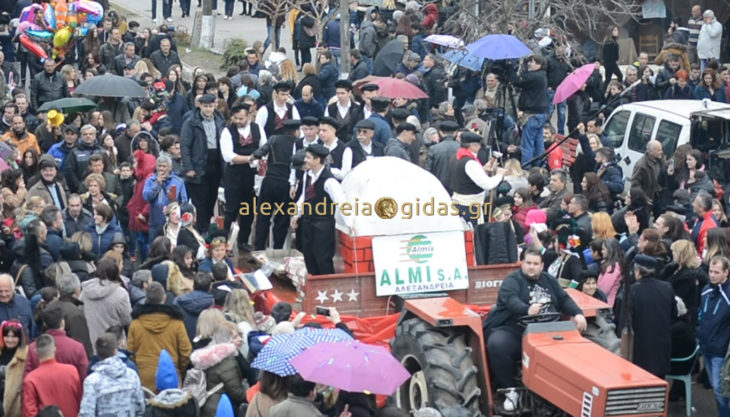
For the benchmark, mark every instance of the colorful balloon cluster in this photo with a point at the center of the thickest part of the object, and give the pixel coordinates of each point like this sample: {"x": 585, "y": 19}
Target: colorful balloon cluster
{"x": 55, "y": 23}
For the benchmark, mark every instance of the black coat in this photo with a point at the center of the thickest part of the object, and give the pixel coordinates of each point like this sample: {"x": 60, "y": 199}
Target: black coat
{"x": 652, "y": 311}
{"x": 684, "y": 284}
{"x": 194, "y": 146}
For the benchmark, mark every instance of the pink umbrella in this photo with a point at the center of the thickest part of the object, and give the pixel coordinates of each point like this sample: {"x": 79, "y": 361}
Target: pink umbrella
{"x": 573, "y": 82}
{"x": 352, "y": 366}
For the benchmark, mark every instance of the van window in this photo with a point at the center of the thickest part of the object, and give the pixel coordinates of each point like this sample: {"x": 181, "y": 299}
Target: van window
{"x": 668, "y": 135}
{"x": 615, "y": 129}
{"x": 640, "y": 133}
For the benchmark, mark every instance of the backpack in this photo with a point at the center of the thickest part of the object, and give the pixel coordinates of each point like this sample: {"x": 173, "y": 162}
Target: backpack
{"x": 195, "y": 383}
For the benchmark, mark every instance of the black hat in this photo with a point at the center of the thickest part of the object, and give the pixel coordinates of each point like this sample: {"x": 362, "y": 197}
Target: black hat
{"x": 405, "y": 126}
{"x": 70, "y": 128}
{"x": 504, "y": 201}
{"x": 365, "y": 124}
{"x": 149, "y": 104}
{"x": 682, "y": 196}
{"x": 310, "y": 121}
{"x": 370, "y": 87}
{"x": 585, "y": 274}
{"x": 448, "y": 126}
{"x": 118, "y": 238}
{"x": 646, "y": 261}
{"x": 292, "y": 124}
{"x": 678, "y": 208}
{"x": 400, "y": 114}
{"x": 240, "y": 106}
{"x": 207, "y": 99}
{"x": 468, "y": 137}
{"x": 346, "y": 84}
{"x": 329, "y": 121}
{"x": 282, "y": 86}
{"x": 380, "y": 103}
{"x": 297, "y": 159}
{"x": 318, "y": 150}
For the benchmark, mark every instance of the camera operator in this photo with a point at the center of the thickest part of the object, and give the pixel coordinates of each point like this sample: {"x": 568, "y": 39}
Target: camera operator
{"x": 533, "y": 106}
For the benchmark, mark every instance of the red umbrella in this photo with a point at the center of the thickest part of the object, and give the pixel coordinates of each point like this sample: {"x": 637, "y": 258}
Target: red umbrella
{"x": 393, "y": 87}
{"x": 573, "y": 82}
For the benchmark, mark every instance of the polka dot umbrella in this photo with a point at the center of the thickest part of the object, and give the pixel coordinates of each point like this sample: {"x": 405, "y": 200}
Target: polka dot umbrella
{"x": 276, "y": 355}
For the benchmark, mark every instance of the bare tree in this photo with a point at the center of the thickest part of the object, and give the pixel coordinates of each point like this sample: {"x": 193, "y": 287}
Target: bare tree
{"x": 568, "y": 19}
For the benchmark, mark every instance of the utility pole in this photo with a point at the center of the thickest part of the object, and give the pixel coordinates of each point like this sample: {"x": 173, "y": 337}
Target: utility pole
{"x": 344, "y": 36}
{"x": 207, "y": 27}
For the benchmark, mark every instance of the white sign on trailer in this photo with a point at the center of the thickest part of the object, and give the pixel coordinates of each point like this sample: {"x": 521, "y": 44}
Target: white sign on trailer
{"x": 419, "y": 263}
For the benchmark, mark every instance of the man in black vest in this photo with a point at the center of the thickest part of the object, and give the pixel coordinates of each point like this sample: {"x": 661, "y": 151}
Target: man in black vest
{"x": 339, "y": 160}
{"x": 469, "y": 181}
{"x": 310, "y": 132}
{"x": 441, "y": 155}
{"x": 238, "y": 142}
{"x": 274, "y": 194}
{"x": 344, "y": 110}
{"x": 273, "y": 115}
{"x": 201, "y": 158}
{"x": 363, "y": 147}
{"x": 317, "y": 213}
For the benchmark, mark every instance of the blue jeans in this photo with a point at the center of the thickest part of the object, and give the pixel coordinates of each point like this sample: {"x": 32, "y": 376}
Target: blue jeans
{"x": 532, "y": 143}
{"x": 369, "y": 62}
{"x": 229, "y": 7}
{"x": 267, "y": 42}
{"x": 714, "y": 369}
{"x": 703, "y": 65}
{"x": 166, "y": 9}
{"x": 143, "y": 244}
{"x": 336, "y": 55}
{"x": 562, "y": 110}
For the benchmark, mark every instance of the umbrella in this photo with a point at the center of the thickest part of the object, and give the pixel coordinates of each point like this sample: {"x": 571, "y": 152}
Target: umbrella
{"x": 110, "y": 86}
{"x": 396, "y": 88}
{"x": 449, "y": 41}
{"x": 573, "y": 82}
{"x": 276, "y": 354}
{"x": 497, "y": 47}
{"x": 352, "y": 366}
{"x": 69, "y": 105}
{"x": 464, "y": 58}
{"x": 388, "y": 58}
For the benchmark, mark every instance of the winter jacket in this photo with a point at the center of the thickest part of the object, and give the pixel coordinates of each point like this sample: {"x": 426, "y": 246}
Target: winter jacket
{"x": 45, "y": 88}
{"x": 26, "y": 278}
{"x": 646, "y": 176}
{"x": 176, "y": 108}
{"x": 701, "y": 226}
{"x": 260, "y": 405}
{"x": 23, "y": 143}
{"x": 122, "y": 355}
{"x": 192, "y": 304}
{"x": 609, "y": 282}
{"x": 661, "y": 82}
{"x": 156, "y": 195}
{"x": 684, "y": 282}
{"x": 105, "y": 304}
{"x": 368, "y": 39}
{"x": 612, "y": 176}
{"x": 713, "y": 331}
{"x": 359, "y": 72}
{"x": 676, "y": 93}
{"x": 69, "y": 351}
{"x": 14, "y": 383}
{"x": 194, "y": 146}
{"x": 109, "y": 51}
{"x": 52, "y": 383}
{"x": 41, "y": 190}
{"x": 162, "y": 62}
{"x": 137, "y": 205}
{"x": 220, "y": 365}
{"x": 103, "y": 238}
{"x": 112, "y": 389}
{"x": 533, "y": 98}
{"x": 81, "y": 224}
{"x": 156, "y": 327}
{"x": 18, "y": 308}
{"x": 433, "y": 84}
{"x": 702, "y": 92}
{"x": 295, "y": 406}
{"x": 708, "y": 43}
{"x": 172, "y": 403}
{"x": 75, "y": 321}
{"x": 431, "y": 16}
{"x": 77, "y": 163}
{"x": 328, "y": 76}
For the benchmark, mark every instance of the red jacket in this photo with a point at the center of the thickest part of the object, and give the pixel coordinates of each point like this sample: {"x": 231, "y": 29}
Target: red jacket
{"x": 68, "y": 351}
{"x": 555, "y": 157}
{"x": 699, "y": 231}
{"x": 52, "y": 383}
{"x": 137, "y": 204}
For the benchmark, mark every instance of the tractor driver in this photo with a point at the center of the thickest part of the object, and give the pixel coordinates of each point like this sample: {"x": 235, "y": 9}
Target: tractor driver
{"x": 526, "y": 292}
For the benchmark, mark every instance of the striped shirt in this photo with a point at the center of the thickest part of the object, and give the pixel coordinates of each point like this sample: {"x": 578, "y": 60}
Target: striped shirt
{"x": 694, "y": 26}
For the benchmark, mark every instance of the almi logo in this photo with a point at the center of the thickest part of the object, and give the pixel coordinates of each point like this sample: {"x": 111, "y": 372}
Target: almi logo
{"x": 419, "y": 249}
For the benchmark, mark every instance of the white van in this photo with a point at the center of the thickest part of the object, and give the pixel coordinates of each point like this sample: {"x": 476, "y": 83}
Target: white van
{"x": 672, "y": 122}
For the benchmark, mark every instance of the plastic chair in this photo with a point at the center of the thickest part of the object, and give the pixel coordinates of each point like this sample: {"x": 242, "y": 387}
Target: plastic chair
{"x": 686, "y": 379}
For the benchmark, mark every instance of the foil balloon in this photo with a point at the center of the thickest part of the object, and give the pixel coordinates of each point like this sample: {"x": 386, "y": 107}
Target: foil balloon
{"x": 30, "y": 13}
{"x": 61, "y": 14}
{"x": 39, "y": 35}
{"x": 33, "y": 47}
{"x": 90, "y": 7}
{"x": 23, "y": 27}
{"x": 61, "y": 38}
{"x": 49, "y": 16}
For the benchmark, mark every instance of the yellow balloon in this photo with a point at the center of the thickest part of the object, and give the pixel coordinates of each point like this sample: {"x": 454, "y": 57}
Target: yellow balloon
{"x": 61, "y": 37}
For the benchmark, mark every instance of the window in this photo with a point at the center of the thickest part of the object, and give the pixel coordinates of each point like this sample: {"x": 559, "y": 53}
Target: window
{"x": 668, "y": 135}
{"x": 640, "y": 133}
{"x": 616, "y": 128}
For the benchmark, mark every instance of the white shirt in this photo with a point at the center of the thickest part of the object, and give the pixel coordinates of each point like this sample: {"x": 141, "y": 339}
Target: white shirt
{"x": 263, "y": 113}
{"x": 475, "y": 172}
{"x": 226, "y": 143}
{"x": 332, "y": 187}
{"x": 340, "y": 109}
{"x": 366, "y": 112}
{"x": 368, "y": 149}
{"x": 293, "y": 172}
{"x": 340, "y": 173}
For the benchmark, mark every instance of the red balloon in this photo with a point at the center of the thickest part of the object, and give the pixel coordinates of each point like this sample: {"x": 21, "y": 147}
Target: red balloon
{"x": 33, "y": 47}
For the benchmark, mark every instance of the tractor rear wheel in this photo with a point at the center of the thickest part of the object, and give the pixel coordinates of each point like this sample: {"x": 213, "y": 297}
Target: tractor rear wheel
{"x": 443, "y": 374}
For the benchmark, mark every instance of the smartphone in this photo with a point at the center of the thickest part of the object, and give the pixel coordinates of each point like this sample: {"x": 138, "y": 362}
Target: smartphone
{"x": 322, "y": 311}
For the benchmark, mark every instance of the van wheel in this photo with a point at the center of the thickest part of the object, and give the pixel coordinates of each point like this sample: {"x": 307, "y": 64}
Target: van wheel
{"x": 443, "y": 374}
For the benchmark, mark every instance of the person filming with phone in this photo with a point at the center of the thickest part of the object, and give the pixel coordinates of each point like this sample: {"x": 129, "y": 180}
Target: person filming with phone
{"x": 160, "y": 189}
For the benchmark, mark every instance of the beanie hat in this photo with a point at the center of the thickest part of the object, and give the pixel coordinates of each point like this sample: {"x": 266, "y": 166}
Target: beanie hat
{"x": 535, "y": 216}
{"x": 166, "y": 373}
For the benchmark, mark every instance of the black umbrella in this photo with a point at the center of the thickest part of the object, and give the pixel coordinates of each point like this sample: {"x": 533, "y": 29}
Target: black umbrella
{"x": 388, "y": 58}
{"x": 110, "y": 86}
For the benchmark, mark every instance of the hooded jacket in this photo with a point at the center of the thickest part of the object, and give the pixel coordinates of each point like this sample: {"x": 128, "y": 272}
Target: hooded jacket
{"x": 220, "y": 365}
{"x": 192, "y": 304}
{"x": 714, "y": 320}
{"x": 156, "y": 327}
{"x": 431, "y": 13}
{"x": 172, "y": 403}
{"x": 103, "y": 238}
{"x": 137, "y": 205}
{"x": 105, "y": 304}
{"x": 112, "y": 389}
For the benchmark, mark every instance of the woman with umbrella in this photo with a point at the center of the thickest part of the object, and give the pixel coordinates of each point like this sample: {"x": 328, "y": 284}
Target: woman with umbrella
{"x": 273, "y": 389}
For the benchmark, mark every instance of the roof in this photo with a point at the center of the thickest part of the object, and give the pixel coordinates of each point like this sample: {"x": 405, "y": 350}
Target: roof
{"x": 681, "y": 108}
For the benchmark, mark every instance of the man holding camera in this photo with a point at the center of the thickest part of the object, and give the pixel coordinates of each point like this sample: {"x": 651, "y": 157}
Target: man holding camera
{"x": 533, "y": 107}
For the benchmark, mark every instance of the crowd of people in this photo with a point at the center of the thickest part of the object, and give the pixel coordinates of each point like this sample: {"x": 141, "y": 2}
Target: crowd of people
{"x": 117, "y": 278}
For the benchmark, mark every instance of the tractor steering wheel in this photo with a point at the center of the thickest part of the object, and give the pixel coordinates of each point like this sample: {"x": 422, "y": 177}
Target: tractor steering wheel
{"x": 539, "y": 318}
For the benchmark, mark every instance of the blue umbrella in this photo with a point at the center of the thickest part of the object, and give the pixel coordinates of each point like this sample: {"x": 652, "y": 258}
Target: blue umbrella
{"x": 464, "y": 58}
{"x": 497, "y": 47}
{"x": 276, "y": 355}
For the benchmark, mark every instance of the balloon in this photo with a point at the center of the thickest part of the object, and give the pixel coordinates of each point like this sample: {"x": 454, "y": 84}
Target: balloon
{"x": 26, "y": 26}
{"x": 33, "y": 47}
{"x": 40, "y": 35}
{"x": 61, "y": 37}
{"x": 49, "y": 16}
{"x": 91, "y": 7}
{"x": 28, "y": 14}
{"x": 61, "y": 14}
{"x": 94, "y": 19}
{"x": 72, "y": 21}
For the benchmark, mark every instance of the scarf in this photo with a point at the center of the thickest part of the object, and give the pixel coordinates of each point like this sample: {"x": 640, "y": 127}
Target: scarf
{"x": 464, "y": 152}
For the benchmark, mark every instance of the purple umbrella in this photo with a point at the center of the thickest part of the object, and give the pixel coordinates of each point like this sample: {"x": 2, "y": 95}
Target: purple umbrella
{"x": 449, "y": 41}
{"x": 497, "y": 47}
{"x": 573, "y": 82}
{"x": 352, "y": 366}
